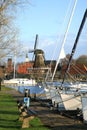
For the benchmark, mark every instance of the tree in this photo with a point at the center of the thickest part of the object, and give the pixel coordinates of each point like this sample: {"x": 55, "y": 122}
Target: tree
{"x": 8, "y": 32}
{"x": 9, "y": 44}
{"x": 82, "y": 60}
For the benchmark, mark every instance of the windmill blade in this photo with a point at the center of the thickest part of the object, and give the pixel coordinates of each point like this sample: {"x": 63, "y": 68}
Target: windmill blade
{"x": 30, "y": 51}
{"x": 36, "y": 42}
{"x": 35, "y": 45}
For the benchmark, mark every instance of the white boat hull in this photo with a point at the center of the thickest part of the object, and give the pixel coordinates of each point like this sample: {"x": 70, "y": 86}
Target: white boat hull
{"x": 84, "y": 107}
{"x": 71, "y": 101}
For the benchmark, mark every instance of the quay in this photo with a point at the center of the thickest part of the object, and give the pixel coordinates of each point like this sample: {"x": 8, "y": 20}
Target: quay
{"x": 51, "y": 118}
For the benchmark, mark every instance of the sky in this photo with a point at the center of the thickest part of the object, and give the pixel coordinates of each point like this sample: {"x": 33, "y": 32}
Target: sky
{"x": 49, "y": 19}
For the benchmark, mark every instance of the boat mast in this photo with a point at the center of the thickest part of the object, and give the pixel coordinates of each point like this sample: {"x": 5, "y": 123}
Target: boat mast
{"x": 14, "y": 64}
{"x": 75, "y": 44}
{"x": 65, "y": 36}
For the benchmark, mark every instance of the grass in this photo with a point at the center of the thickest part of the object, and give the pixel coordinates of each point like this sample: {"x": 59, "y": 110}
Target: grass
{"x": 9, "y": 114}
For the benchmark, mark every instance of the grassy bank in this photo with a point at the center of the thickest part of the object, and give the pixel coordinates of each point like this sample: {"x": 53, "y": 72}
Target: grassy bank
{"x": 9, "y": 114}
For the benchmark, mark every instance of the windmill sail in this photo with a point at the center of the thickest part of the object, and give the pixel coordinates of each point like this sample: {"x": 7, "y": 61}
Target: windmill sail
{"x": 35, "y": 45}
{"x": 36, "y": 42}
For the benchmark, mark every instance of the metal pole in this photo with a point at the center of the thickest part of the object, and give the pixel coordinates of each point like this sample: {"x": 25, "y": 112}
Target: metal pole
{"x": 65, "y": 36}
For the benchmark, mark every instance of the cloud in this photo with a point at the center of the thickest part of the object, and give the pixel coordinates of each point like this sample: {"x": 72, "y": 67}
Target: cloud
{"x": 51, "y": 45}
{"x": 46, "y": 43}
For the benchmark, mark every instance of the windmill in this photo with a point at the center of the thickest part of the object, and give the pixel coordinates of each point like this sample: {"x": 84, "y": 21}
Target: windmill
{"x": 38, "y": 55}
{"x": 39, "y": 69}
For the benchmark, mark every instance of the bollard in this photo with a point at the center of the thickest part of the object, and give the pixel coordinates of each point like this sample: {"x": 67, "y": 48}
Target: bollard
{"x": 25, "y": 123}
{"x": 34, "y": 96}
{"x": 25, "y": 114}
{"x": 20, "y": 108}
{"x": 26, "y": 94}
{"x": 26, "y": 118}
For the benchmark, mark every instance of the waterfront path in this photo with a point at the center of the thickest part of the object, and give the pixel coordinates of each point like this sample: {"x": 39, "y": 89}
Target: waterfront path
{"x": 50, "y": 118}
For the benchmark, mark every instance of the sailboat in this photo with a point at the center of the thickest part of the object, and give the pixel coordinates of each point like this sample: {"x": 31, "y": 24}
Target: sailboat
{"x": 70, "y": 98}
{"x": 53, "y": 92}
{"x": 76, "y": 94}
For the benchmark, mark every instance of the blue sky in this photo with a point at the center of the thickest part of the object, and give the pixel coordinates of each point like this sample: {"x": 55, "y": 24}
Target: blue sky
{"x": 45, "y": 18}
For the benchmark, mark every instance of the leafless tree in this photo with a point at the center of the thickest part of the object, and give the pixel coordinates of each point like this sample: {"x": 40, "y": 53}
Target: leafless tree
{"x": 8, "y": 33}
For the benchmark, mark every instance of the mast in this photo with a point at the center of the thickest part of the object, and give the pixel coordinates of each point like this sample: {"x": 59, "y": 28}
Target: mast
{"x": 65, "y": 36}
{"x": 75, "y": 44}
{"x": 14, "y": 65}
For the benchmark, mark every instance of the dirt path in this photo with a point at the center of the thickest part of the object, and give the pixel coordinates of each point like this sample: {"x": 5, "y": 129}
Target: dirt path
{"x": 51, "y": 118}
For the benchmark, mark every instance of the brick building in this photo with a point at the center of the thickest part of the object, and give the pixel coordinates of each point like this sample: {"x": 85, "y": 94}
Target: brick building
{"x": 22, "y": 68}
{"x": 77, "y": 71}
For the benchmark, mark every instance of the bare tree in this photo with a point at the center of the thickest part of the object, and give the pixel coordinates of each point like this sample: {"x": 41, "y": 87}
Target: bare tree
{"x": 9, "y": 44}
{"x": 8, "y": 32}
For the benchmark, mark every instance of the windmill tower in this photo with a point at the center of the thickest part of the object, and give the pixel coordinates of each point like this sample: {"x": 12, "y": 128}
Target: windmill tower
{"x": 39, "y": 61}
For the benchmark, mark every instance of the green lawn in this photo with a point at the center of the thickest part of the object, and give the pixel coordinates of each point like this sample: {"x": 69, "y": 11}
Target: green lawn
{"x": 9, "y": 114}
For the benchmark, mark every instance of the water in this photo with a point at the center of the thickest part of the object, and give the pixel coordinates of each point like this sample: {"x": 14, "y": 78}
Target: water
{"x": 39, "y": 89}
{"x": 33, "y": 89}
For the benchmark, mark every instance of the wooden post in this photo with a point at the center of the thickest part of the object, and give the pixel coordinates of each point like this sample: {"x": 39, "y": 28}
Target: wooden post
{"x": 26, "y": 119}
